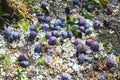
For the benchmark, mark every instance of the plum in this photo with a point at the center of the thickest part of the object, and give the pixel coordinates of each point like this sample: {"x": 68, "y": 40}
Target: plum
{"x": 109, "y": 11}
{"x": 79, "y": 34}
{"x": 7, "y": 32}
{"x": 56, "y": 33}
{"x": 102, "y": 76}
{"x": 23, "y": 57}
{"x": 52, "y": 27}
{"x": 87, "y": 26}
{"x": 48, "y": 19}
{"x": 96, "y": 24}
{"x": 76, "y": 26}
{"x": 48, "y": 35}
{"x": 10, "y": 39}
{"x": 16, "y": 35}
{"x": 39, "y": 14}
{"x": 82, "y": 28}
{"x": 70, "y": 33}
{"x": 44, "y": 4}
{"x": 110, "y": 62}
{"x": 76, "y": 2}
{"x": 58, "y": 28}
{"x": 65, "y": 76}
{"x": 67, "y": 9}
{"x": 52, "y": 40}
{"x": 58, "y": 22}
{"x": 90, "y": 7}
{"x": 95, "y": 65}
{"x": 106, "y": 23}
{"x": 41, "y": 19}
{"x": 88, "y": 31}
{"x": 62, "y": 19}
{"x": 77, "y": 41}
{"x": 79, "y": 47}
{"x": 24, "y": 63}
{"x": 81, "y": 58}
{"x": 33, "y": 34}
{"x": 32, "y": 27}
{"x": 85, "y": 1}
{"x": 38, "y": 48}
{"x": 45, "y": 26}
{"x": 61, "y": 41}
{"x": 95, "y": 46}
{"x": 88, "y": 50}
{"x": 73, "y": 11}
{"x": 89, "y": 42}
{"x": 82, "y": 21}
{"x": 64, "y": 34}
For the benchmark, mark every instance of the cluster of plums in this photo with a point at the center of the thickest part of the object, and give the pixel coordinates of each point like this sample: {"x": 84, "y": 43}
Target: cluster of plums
{"x": 110, "y": 63}
{"x": 23, "y": 60}
{"x": 89, "y": 7}
{"x": 54, "y": 31}
{"x": 11, "y": 36}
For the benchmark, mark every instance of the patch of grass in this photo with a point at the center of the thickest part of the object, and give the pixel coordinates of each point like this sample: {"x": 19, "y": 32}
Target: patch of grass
{"x": 6, "y": 62}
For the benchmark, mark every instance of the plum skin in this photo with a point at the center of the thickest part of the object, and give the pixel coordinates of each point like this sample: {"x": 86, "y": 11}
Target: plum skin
{"x": 81, "y": 58}
{"x": 52, "y": 40}
{"x": 110, "y": 63}
{"x": 65, "y": 76}
{"x": 38, "y": 48}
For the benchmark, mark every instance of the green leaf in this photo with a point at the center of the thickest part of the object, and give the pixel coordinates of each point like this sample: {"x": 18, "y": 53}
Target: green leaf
{"x": 36, "y": 6}
{"x": 65, "y": 60}
{"x": 43, "y": 40}
{"x": 24, "y": 24}
{"x": 74, "y": 18}
{"x": 48, "y": 8}
{"x": 58, "y": 43}
{"x": 30, "y": 1}
{"x": 6, "y": 62}
{"x": 38, "y": 29}
{"x": 45, "y": 73}
{"x": 87, "y": 14}
{"x": 74, "y": 30}
{"x": 105, "y": 44}
{"x": 108, "y": 78}
{"x": 96, "y": 57}
{"x": 16, "y": 62}
{"x": 41, "y": 61}
{"x": 2, "y": 56}
{"x": 51, "y": 71}
{"x": 97, "y": 1}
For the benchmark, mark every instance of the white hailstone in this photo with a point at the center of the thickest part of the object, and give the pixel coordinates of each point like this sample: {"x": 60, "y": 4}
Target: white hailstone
{"x": 2, "y": 51}
{"x": 89, "y": 66}
{"x": 81, "y": 67}
{"x": 58, "y": 48}
{"x": 80, "y": 75}
{"x": 75, "y": 67}
{"x": 3, "y": 73}
{"x": 90, "y": 22}
{"x": 60, "y": 61}
{"x": 20, "y": 44}
{"x": 101, "y": 46}
{"x": 13, "y": 59}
